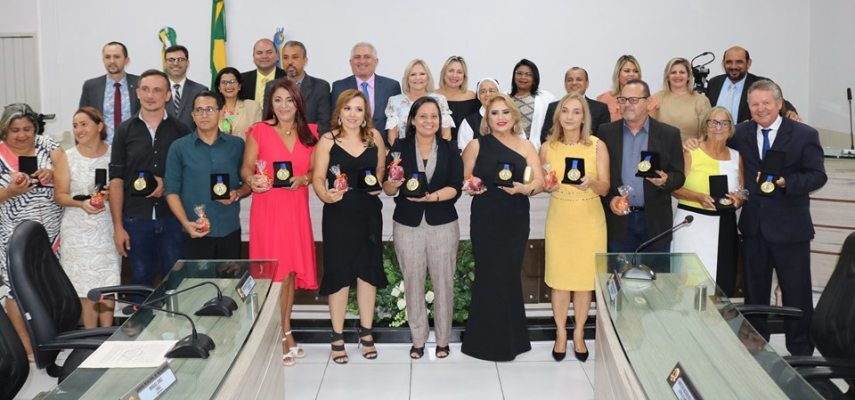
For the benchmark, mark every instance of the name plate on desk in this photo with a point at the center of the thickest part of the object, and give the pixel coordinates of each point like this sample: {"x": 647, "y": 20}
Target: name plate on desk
{"x": 245, "y": 286}
{"x": 682, "y": 386}
{"x": 154, "y": 385}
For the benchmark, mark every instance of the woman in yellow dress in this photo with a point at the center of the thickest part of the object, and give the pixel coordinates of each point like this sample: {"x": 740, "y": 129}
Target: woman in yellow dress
{"x": 575, "y": 222}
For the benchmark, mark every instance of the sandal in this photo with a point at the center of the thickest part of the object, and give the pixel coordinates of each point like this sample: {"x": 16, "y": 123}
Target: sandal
{"x": 335, "y": 337}
{"x": 297, "y": 350}
{"x": 288, "y": 359}
{"x": 365, "y": 332}
{"x": 417, "y": 352}
{"x": 443, "y": 349}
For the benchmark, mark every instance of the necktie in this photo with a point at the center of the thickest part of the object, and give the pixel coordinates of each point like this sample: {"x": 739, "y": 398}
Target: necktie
{"x": 117, "y": 106}
{"x": 731, "y": 91}
{"x": 766, "y": 144}
{"x": 365, "y": 90}
{"x": 176, "y": 98}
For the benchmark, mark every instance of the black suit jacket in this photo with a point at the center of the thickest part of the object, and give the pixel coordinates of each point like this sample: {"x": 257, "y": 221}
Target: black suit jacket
{"x": 449, "y": 172}
{"x": 93, "y": 93}
{"x": 185, "y": 107}
{"x": 784, "y": 218}
{"x": 716, "y": 84}
{"x": 599, "y": 115}
{"x": 384, "y": 88}
{"x": 247, "y": 86}
{"x": 664, "y": 139}
{"x": 316, "y": 94}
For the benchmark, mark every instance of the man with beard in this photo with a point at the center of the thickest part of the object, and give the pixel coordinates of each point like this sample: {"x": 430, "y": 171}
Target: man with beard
{"x": 113, "y": 94}
{"x": 316, "y": 91}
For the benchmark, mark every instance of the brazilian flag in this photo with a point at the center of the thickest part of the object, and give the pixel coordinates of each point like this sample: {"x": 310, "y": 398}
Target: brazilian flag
{"x": 218, "y": 40}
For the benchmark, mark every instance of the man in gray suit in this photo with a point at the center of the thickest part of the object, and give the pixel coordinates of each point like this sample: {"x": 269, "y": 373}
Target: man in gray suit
{"x": 177, "y": 60}
{"x": 115, "y": 90}
{"x": 363, "y": 63}
{"x": 315, "y": 90}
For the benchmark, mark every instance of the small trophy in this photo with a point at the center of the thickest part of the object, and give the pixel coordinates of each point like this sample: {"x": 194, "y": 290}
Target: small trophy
{"x": 504, "y": 174}
{"x": 202, "y": 220}
{"x": 648, "y": 165}
{"x": 574, "y": 170}
{"x": 623, "y": 202}
{"x": 550, "y": 178}
{"x": 415, "y": 185}
{"x": 396, "y": 172}
{"x": 283, "y": 171}
{"x": 219, "y": 186}
{"x": 340, "y": 183}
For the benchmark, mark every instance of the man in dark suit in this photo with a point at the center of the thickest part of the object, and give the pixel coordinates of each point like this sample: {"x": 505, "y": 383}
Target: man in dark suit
{"x": 315, "y": 91}
{"x": 119, "y": 94}
{"x": 576, "y": 81}
{"x": 363, "y": 63}
{"x": 265, "y": 55}
{"x": 180, "y": 106}
{"x": 650, "y": 198}
{"x": 777, "y": 230}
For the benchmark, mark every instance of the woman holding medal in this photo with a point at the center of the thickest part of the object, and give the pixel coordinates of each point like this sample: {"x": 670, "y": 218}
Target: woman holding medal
{"x": 580, "y": 163}
{"x": 425, "y": 231}
{"x": 496, "y": 329}
{"x": 352, "y": 223}
{"x": 88, "y": 256}
{"x": 21, "y": 198}
{"x": 713, "y": 217}
{"x": 279, "y": 221}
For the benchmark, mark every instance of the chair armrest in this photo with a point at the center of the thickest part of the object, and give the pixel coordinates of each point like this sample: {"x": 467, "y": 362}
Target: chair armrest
{"x": 755, "y": 309}
{"x": 87, "y": 333}
{"x": 128, "y": 289}
{"x": 810, "y": 361}
{"x": 86, "y": 344}
{"x": 810, "y": 374}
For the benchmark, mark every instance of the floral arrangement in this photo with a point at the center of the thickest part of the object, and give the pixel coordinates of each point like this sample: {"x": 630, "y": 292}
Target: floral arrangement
{"x": 391, "y": 304}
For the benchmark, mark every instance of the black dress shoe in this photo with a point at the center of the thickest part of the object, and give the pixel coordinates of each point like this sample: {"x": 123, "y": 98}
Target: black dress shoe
{"x": 560, "y": 356}
{"x": 581, "y": 356}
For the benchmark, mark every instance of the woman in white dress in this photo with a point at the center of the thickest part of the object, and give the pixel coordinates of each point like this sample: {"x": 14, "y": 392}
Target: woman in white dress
{"x": 88, "y": 254}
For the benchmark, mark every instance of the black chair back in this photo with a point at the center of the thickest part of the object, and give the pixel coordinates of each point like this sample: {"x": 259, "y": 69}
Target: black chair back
{"x": 43, "y": 291}
{"x": 14, "y": 366}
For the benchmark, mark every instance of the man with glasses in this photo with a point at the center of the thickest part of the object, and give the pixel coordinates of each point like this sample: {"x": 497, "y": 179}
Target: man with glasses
{"x": 207, "y": 152}
{"x": 315, "y": 90}
{"x": 145, "y": 230}
{"x": 649, "y": 211}
{"x": 114, "y": 94}
{"x": 176, "y": 58}
{"x": 363, "y": 63}
{"x": 576, "y": 81}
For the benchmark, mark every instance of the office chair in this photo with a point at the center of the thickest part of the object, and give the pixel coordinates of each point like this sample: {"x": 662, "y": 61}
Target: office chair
{"x": 14, "y": 366}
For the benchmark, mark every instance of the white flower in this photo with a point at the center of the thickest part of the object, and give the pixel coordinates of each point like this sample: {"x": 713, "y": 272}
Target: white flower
{"x": 396, "y": 292}
{"x": 402, "y": 304}
{"x": 429, "y": 297}
{"x": 401, "y": 286}
{"x": 472, "y": 276}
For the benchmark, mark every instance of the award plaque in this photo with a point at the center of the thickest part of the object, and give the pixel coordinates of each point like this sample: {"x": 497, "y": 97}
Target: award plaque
{"x": 718, "y": 191}
{"x": 504, "y": 175}
{"x": 648, "y": 165}
{"x": 770, "y": 172}
{"x": 143, "y": 183}
{"x": 415, "y": 185}
{"x": 283, "y": 171}
{"x": 220, "y": 186}
{"x": 367, "y": 180}
{"x": 574, "y": 170}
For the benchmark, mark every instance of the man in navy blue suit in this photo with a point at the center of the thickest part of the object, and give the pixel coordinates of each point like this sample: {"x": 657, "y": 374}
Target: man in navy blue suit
{"x": 363, "y": 63}
{"x": 777, "y": 230}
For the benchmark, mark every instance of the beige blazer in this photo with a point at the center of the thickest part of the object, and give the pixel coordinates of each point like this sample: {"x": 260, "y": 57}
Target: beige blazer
{"x": 247, "y": 113}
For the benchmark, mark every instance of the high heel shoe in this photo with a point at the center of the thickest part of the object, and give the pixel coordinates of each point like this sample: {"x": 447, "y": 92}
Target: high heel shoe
{"x": 556, "y": 355}
{"x": 335, "y": 337}
{"x": 297, "y": 350}
{"x": 581, "y": 356}
{"x": 365, "y": 332}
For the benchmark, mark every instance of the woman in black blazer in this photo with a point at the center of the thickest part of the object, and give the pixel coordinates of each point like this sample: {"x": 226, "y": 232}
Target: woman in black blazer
{"x": 426, "y": 234}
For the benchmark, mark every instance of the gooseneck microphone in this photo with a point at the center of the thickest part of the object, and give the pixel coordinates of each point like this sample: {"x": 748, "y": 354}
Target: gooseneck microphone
{"x": 634, "y": 270}
{"x": 851, "y": 132}
{"x": 220, "y": 306}
{"x": 194, "y": 345}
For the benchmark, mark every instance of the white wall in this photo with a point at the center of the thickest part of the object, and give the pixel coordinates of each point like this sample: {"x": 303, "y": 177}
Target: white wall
{"x": 554, "y": 34}
{"x": 832, "y": 59}
{"x": 19, "y": 17}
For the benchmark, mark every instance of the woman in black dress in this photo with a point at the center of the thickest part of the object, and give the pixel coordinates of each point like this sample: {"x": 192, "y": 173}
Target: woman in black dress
{"x": 496, "y": 329}
{"x": 454, "y": 85}
{"x": 352, "y": 224}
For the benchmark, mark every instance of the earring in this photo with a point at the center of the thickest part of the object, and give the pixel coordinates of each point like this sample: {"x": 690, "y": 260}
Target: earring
{"x": 363, "y": 123}
{"x": 339, "y": 121}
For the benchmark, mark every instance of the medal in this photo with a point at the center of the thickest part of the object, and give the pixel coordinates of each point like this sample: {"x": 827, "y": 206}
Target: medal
{"x": 412, "y": 183}
{"x": 220, "y": 188}
{"x": 139, "y": 183}
{"x": 725, "y": 201}
{"x": 282, "y": 173}
{"x": 506, "y": 174}
{"x": 644, "y": 165}
{"x": 574, "y": 173}
{"x": 371, "y": 180}
{"x": 768, "y": 187}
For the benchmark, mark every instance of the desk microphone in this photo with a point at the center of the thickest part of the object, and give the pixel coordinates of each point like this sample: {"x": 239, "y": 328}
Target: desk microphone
{"x": 634, "y": 270}
{"x": 220, "y": 306}
{"x": 194, "y": 345}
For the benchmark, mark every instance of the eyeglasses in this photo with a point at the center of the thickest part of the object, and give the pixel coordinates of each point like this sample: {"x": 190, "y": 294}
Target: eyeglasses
{"x": 175, "y": 60}
{"x": 631, "y": 100}
{"x": 488, "y": 91}
{"x": 718, "y": 124}
{"x": 205, "y": 110}
{"x": 230, "y": 82}
{"x": 522, "y": 74}
{"x": 456, "y": 58}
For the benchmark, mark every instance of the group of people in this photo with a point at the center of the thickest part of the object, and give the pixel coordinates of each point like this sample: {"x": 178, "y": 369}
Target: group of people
{"x": 267, "y": 134}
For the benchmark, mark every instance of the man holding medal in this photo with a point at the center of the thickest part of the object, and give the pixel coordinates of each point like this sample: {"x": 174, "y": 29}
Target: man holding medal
{"x": 776, "y": 224}
{"x": 647, "y": 156}
{"x": 212, "y": 233}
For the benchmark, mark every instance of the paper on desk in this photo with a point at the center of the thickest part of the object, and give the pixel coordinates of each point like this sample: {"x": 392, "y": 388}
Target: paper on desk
{"x": 137, "y": 354}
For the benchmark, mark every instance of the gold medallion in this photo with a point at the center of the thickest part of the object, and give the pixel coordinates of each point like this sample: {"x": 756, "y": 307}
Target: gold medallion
{"x": 767, "y": 187}
{"x": 283, "y": 174}
{"x": 725, "y": 201}
{"x": 574, "y": 174}
{"x": 412, "y": 184}
{"x": 644, "y": 166}
{"x": 140, "y": 184}
{"x": 505, "y": 174}
{"x": 220, "y": 189}
{"x": 370, "y": 180}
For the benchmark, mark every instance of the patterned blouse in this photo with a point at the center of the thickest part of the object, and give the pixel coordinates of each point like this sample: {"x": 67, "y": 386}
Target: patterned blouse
{"x": 398, "y": 110}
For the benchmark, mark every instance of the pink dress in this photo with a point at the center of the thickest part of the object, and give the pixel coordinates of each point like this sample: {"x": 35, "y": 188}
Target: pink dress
{"x": 280, "y": 225}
